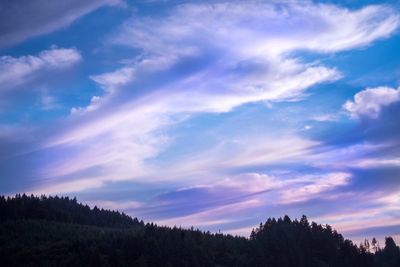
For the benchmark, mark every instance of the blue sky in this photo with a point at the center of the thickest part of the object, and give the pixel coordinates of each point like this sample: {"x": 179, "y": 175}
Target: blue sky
{"x": 216, "y": 114}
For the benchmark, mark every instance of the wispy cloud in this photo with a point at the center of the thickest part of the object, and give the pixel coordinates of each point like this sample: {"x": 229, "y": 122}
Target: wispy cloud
{"x": 325, "y": 117}
{"x": 177, "y": 110}
{"x": 44, "y": 17}
{"x": 15, "y": 71}
{"x": 255, "y": 28}
{"x": 255, "y": 68}
{"x": 110, "y": 81}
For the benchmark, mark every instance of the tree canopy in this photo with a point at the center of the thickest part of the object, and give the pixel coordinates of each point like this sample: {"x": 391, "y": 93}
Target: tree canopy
{"x": 59, "y": 231}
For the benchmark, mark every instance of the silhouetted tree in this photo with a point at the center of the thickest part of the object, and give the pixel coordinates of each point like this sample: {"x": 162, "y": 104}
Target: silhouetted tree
{"x": 390, "y": 255}
{"x": 59, "y": 231}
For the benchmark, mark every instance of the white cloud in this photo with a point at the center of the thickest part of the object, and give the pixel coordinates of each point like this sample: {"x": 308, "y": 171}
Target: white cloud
{"x": 249, "y": 45}
{"x": 212, "y": 216}
{"x": 369, "y": 102}
{"x": 378, "y": 162}
{"x": 95, "y": 103}
{"x": 250, "y": 42}
{"x": 288, "y": 188}
{"x": 246, "y": 194}
{"x": 110, "y": 81}
{"x": 325, "y": 117}
{"x": 117, "y": 144}
{"x": 242, "y": 54}
{"x": 251, "y": 182}
{"x": 253, "y": 151}
{"x": 67, "y": 187}
{"x": 215, "y": 92}
{"x": 255, "y": 28}
{"x": 313, "y": 186}
{"x": 237, "y": 53}
{"x": 17, "y": 70}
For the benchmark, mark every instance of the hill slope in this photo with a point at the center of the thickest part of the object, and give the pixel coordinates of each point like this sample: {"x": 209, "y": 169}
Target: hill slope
{"x": 57, "y": 231}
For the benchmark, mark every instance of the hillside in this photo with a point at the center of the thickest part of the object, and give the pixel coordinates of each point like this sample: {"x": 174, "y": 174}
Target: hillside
{"x": 59, "y": 231}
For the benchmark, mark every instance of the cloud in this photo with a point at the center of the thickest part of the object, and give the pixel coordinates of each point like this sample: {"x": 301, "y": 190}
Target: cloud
{"x": 218, "y": 203}
{"x": 255, "y": 28}
{"x": 49, "y": 102}
{"x": 66, "y": 187}
{"x": 227, "y": 77}
{"x": 95, "y": 103}
{"x": 216, "y": 57}
{"x": 128, "y": 138}
{"x": 245, "y": 152}
{"x": 377, "y": 222}
{"x": 369, "y": 102}
{"x": 15, "y": 71}
{"x": 109, "y": 82}
{"x": 21, "y": 20}
{"x": 209, "y": 60}
{"x": 325, "y": 117}
{"x": 380, "y": 210}
{"x": 257, "y": 64}
{"x": 112, "y": 80}
{"x": 315, "y": 186}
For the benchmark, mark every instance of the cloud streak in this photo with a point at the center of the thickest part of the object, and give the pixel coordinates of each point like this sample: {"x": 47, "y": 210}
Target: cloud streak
{"x": 255, "y": 28}
{"x": 252, "y": 70}
{"x": 44, "y": 17}
{"x": 203, "y": 119}
{"x": 15, "y": 71}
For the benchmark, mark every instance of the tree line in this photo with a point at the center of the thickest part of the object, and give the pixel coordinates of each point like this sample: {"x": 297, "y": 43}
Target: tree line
{"x": 59, "y": 231}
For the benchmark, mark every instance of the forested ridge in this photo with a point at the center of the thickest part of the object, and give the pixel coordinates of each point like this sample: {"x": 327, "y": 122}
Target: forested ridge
{"x": 59, "y": 231}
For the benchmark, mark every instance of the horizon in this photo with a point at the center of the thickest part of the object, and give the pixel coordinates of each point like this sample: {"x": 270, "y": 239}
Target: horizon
{"x": 211, "y": 114}
{"x": 357, "y": 243}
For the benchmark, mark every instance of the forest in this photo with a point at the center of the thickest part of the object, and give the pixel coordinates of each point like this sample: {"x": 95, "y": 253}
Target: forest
{"x": 59, "y": 231}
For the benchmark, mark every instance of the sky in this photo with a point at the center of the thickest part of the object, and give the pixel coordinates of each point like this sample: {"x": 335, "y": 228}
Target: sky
{"x": 212, "y": 114}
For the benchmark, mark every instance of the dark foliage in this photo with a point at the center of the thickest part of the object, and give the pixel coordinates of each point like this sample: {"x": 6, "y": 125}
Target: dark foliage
{"x": 61, "y": 209}
{"x": 54, "y": 231}
{"x": 390, "y": 255}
